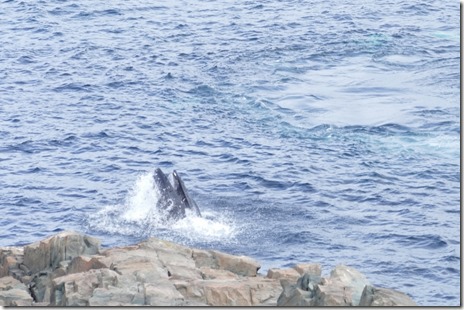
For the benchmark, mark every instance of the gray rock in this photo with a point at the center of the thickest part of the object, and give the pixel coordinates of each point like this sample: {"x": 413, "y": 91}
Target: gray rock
{"x": 300, "y": 294}
{"x": 76, "y": 289}
{"x": 309, "y": 268}
{"x": 9, "y": 283}
{"x": 14, "y": 293}
{"x": 241, "y": 265}
{"x": 292, "y": 296}
{"x": 350, "y": 278}
{"x": 158, "y": 244}
{"x": 135, "y": 264}
{"x": 15, "y": 297}
{"x": 182, "y": 272}
{"x": 69, "y": 270}
{"x": 179, "y": 265}
{"x": 241, "y": 291}
{"x": 289, "y": 274}
{"x": 308, "y": 281}
{"x": 50, "y": 252}
{"x": 264, "y": 292}
{"x": 229, "y": 293}
{"x": 374, "y": 296}
{"x": 191, "y": 290}
{"x": 219, "y": 274}
{"x": 204, "y": 259}
{"x": 84, "y": 263}
{"x": 40, "y": 286}
{"x": 332, "y": 295}
{"x": 11, "y": 262}
{"x": 162, "y": 294}
{"x": 114, "y": 296}
{"x": 343, "y": 288}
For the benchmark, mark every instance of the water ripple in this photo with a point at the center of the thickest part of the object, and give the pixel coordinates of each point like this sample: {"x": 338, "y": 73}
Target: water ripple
{"x": 317, "y": 134}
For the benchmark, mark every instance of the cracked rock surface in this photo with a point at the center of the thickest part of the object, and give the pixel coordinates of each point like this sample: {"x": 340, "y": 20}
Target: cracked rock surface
{"x": 70, "y": 269}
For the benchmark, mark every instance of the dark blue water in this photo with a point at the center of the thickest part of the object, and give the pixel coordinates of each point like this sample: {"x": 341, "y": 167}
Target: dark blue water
{"x": 307, "y": 131}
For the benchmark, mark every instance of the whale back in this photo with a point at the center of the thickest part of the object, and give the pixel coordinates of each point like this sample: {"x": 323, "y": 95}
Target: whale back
{"x": 173, "y": 196}
{"x": 181, "y": 190}
{"x": 169, "y": 202}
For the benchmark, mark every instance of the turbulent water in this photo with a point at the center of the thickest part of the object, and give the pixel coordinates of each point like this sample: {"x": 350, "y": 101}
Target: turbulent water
{"x": 307, "y": 131}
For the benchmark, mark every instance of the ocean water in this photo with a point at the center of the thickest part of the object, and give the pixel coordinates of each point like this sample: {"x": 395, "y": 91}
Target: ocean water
{"x": 307, "y": 131}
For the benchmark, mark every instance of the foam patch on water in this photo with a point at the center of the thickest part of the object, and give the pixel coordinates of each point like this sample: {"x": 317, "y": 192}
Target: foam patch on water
{"x": 210, "y": 227}
{"x": 443, "y": 146}
{"x": 139, "y": 217}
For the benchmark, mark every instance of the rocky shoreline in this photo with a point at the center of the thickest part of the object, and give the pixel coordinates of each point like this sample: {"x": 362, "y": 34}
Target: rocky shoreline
{"x": 70, "y": 269}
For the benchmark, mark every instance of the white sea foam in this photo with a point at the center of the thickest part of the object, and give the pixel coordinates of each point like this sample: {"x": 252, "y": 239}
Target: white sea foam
{"x": 138, "y": 216}
{"x": 210, "y": 227}
{"x": 141, "y": 199}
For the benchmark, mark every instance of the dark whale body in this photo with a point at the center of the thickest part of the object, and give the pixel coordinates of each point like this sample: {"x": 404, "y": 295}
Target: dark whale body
{"x": 174, "y": 197}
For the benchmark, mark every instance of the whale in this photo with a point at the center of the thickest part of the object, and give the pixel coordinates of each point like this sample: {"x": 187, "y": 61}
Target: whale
{"x": 173, "y": 199}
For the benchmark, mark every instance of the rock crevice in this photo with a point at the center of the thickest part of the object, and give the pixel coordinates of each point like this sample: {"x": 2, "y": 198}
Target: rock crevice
{"x": 70, "y": 269}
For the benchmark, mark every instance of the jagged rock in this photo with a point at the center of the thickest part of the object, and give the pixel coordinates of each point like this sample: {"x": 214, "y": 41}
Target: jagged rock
{"x": 298, "y": 284}
{"x": 162, "y": 294}
{"x": 309, "y": 268}
{"x": 15, "y": 297}
{"x": 11, "y": 262}
{"x": 68, "y": 270}
{"x": 351, "y": 279}
{"x": 264, "y": 292}
{"x": 169, "y": 258}
{"x": 179, "y": 265}
{"x": 14, "y": 293}
{"x": 190, "y": 290}
{"x": 289, "y": 274}
{"x": 219, "y": 274}
{"x": 233, "y": 293}
{"x": 295, "y": 297}
{"x": 343, "y": 288}
{"x": 375, "y": 296}
{"x": 84, "y": 263}
{"x": 204, "y": 259}
{"x": 307, "y": 281}
{"x": 113, "y": 297}
{"x": 158, "y": 244}
{"x": 41, "y": 282}
{"x": 332, "y": 295}
{"x": 3, "y": 271}
{"x": 181, "y": 272}
{"x": 240, "y": 265}
{"x": 76, "y": 289}
{"x": 252, "y": 291}
{"x": 242, "y": 292}
{"x": 300, "y": 294}
{"x": 134, "y": 263}
{"x": 40, "y": 286}
{"x": 9, "y": 283}
{"x": 50, "y": 252}
{"x": 26, "y": 279}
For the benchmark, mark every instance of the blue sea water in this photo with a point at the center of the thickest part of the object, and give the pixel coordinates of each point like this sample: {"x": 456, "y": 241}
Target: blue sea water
{"x": 307, "y": 131}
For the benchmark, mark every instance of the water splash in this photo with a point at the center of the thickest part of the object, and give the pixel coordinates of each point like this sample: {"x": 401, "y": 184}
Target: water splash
{"x": 141, "y": 199}
{"x": 139, "y": 217}
{"x": 210, "y": 227}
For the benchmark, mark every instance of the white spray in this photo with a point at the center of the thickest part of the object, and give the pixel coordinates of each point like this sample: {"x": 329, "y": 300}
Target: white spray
{"x": 138, "y": 216}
